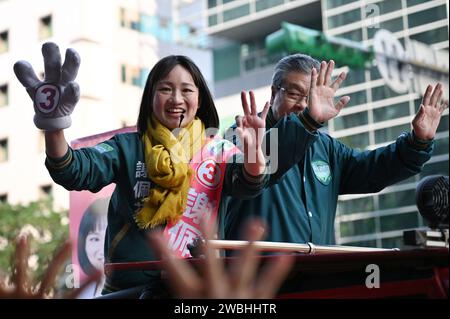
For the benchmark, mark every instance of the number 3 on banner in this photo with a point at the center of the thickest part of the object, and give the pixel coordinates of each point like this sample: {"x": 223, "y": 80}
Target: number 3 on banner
{"x": 47, "y": 98}
{"x": 209, "y": 173}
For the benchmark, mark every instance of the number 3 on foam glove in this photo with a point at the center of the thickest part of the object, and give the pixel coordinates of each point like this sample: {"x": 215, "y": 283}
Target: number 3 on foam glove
{"x": 55, "y": 98}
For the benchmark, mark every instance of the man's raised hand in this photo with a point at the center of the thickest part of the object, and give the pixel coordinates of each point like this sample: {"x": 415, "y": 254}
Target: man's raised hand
{"x": 427, "y": 118}
{"x": 321, "y": 94}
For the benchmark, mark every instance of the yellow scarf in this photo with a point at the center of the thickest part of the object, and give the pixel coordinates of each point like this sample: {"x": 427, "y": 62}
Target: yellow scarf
{"x": 167, "y": 159}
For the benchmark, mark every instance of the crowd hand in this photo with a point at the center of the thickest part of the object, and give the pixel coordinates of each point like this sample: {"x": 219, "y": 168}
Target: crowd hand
{"x": 250, "y": 130}
{"x": 427, "y": 118}
{"x": 21, "y": 287}
{"x": 215, "y": 281}
{"x": 54, "y": 98}
{"x": 321, "y": 94}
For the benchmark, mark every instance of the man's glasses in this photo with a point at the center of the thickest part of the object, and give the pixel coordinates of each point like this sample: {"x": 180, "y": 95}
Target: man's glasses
{"x": 293, "y": 95}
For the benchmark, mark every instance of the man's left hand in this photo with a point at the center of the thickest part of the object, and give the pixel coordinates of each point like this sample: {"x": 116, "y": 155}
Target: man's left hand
{"x": 428, "y": 116}
{"x": 321, "y": 94}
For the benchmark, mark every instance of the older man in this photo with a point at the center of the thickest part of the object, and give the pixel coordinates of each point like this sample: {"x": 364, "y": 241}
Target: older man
{"x": 301, "y": 206}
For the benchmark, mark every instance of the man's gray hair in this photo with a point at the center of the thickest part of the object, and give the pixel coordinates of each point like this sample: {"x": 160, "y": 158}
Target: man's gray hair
{"x": 296, "y": 62}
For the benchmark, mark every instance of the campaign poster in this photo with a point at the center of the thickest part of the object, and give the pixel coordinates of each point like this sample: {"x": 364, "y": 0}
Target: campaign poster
{"x": 88, "y": 220}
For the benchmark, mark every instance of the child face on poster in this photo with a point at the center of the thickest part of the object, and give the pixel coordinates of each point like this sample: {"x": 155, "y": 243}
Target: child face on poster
{"x": 91, "y": 236}
{"x": 94, "y": 247}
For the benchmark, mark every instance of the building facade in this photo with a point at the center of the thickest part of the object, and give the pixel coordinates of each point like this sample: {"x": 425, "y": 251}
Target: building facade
{"x": 378, "y": 114}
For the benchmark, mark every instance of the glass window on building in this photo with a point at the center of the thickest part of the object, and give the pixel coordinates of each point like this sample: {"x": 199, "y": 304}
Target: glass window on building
{"x": 143, "y": 75}
{"x": 165, "y": 29}
{"x": 357, "y": 98}
{"x": 130, "y": 19}
{"x": 393, "y": 25}
{"x": 387, "y": 6}
{"x": 432, "y": 36}
{"x": 354, "y": 77}
{"x": 133, "y": 75}
{"x": 3, "y": 198}
{"x": 351, "y": 120}
{"x": 363, "y": 243}
{"x": 436, "y": 168}
{"x": 427, "y": 16}
{"x": 411, "y": 3}
{"x": 251, "y": 53}
{"x": 227, "y": 61}
{"x": 212, "y": 20}
{"x": 374, "y": 73}
{"x": 123, "y": 73}
{"x": 159, "y": 26}
{"x": 4, "y": 42}
{"x": 235, "y": 13}
{"x": 382, "y": 92}
{"x": 399, "y": 221}
{"x": 4, "y": 95}
{"x": 45, "y": 27}
{"x": 136, "y": 77}
{"x": 409, "y": 180}
{"x": 136, "y": 21}
{"x": 441, "y": 146}
{"x": 149, "y": 24}
{"x": 390, "y": 134}
{"x": 3, "y": 150}
{"x": 443, "y": 124}
{"x": 337, "y": 3}
{"x": 212, "y": 3}
{"x": 266, "y": 4}
{"x": 354, "y": 35}
{"x": 365, "y": 204}
{"x": 397, "y": 199}
{"x": 250, "y": 63}
{"x": 254, "y": 56}
{"x": 122, "y": 17}
{"x": 390, "y": 112}
{"x": 357, "y": 141}
{"x": 357, "y": 227}
{"x": 392, "y": 242}
{"x": 344, "y": 18}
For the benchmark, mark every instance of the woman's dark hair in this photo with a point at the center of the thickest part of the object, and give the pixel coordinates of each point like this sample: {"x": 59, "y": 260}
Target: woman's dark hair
{"x": 207, "y": 110}
{"x": 94, "y": 219}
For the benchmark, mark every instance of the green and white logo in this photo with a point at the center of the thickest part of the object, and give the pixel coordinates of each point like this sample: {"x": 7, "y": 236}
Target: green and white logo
{"x": 322, "y": 171}
{"x": 103, "y": 148}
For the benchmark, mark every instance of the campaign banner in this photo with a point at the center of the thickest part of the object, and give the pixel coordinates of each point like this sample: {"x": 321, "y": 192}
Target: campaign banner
{"x": 88, "y": 219}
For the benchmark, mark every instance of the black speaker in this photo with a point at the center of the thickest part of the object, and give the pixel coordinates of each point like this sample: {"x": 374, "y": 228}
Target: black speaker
{"x": 432, "y": 200}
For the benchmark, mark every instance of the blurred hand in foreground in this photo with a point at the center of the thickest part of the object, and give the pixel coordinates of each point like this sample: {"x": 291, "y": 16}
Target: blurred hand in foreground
{"x": 21, "y": 287}
{"x": 213, "y": 280}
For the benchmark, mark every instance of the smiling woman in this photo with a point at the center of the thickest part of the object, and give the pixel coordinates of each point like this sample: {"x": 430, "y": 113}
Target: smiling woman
{"x": 176, "y": 101}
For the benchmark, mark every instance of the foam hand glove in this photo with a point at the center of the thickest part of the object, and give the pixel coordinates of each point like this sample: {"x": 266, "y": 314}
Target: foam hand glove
{"x": 54, "y": 98}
